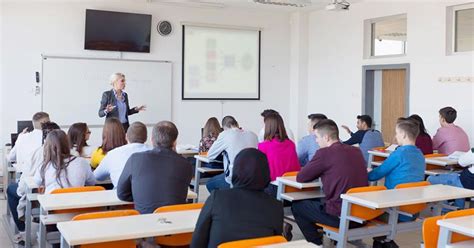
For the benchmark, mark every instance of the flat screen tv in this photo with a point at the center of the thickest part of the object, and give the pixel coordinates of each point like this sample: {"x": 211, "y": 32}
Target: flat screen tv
{"x": 117, "y": 31}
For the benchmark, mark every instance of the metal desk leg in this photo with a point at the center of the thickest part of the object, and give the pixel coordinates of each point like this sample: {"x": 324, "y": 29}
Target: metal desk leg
{"x": 444, "y": 237}
{"x": 197, "y": 179}
{"x": 393, "y": 221}
{"x": 279, "y": 190}
{"x": 344, "y": 224}
{"x": 28, "y": 220}
{"x": 64, "y": 244}
{"x": 42, "y": 231}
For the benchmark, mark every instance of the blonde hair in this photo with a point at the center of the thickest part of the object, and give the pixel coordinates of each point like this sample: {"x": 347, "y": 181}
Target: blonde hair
{"x": 116, "y": 76}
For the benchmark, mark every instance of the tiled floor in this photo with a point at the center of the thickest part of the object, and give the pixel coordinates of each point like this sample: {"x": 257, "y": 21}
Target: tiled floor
{"x": 405, "y": 240}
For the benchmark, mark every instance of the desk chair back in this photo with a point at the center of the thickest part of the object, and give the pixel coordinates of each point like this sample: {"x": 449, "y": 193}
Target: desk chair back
{"x": 246, "y": 243}
{"x": 108, "y": 214}
{"x": 430, "y": 232}
{"x": 183, "y": 239}
{"x": 414, "y": 208}
{"x": 455, "y": 237}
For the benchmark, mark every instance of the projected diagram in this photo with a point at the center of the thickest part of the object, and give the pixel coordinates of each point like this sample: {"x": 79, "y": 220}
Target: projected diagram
{"x": 221, "y": 62}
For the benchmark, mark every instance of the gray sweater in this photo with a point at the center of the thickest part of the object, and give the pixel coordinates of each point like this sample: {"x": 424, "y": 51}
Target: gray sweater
{"x": 231, "y": 142}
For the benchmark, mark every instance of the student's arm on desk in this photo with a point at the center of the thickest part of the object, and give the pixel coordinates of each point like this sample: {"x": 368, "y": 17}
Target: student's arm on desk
{"x": 385, "y": 168}
{"x": 466, "y": 159}
{"x": 437, "y": 142}
{"x": 312, "y": 170}
{"x": 217, "y": 147}
{"x": 203, "y": 225}
{"x": 124, "y": 185}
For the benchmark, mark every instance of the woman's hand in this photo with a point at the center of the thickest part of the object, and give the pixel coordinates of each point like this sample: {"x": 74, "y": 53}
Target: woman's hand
{"x": 141, "y": 108}
{"x": 109, "y": 108}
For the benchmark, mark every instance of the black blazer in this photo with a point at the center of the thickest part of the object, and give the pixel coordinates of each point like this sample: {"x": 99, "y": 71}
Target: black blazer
{"x": 108, "y": 97}
{"x": 235, "y": 214}
{"x": 155, "y": 178}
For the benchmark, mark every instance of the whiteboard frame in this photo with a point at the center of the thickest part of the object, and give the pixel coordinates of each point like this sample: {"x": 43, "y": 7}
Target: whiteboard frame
{"x": 45, "y": 56}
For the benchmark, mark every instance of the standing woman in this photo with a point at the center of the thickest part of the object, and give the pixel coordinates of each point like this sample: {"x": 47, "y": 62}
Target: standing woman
{"x": 113, "y": 136}
{"x": 114, "y": 102}
{"x": 78, "y": 135}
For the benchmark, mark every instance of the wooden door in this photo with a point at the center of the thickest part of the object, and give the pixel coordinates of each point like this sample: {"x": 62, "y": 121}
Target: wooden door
{"x": 393, "y": 101}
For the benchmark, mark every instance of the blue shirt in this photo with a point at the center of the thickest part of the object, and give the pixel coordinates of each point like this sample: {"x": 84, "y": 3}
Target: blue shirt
{"x": 121, "y": 107}
{"x": 355, "y": 138}
{"x": 405, "y": 165}
{"x": 306, "y": 148}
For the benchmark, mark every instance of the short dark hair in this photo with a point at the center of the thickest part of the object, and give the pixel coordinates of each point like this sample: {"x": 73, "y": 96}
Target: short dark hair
{"x": 367, "y": 119}
{"x": 409, "y": 126}
{"x": 315, "y": 118}
{"x": 164, "y": 134}
{"x": 328, "y": 127}
{"x": 267, "y": 112}
{"x": 449, "y": 114}
{"x": 39, "y": 118}
{"x": 48, "y": 127}
{"x": 229, "y": 121}
{"x": 137, "y": 133}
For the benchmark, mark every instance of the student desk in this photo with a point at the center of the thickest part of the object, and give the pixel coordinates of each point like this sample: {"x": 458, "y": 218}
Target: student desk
{"x": 52, "y": 202}
{"x": 293, "y": 244}
{"x": 301, "y": 195}
{"x": 188, "y": 153}
{"x": 391, "y": 200}
{"x": 434, "y": 165}
{"x": 199, "y": 169}
{"x": 462, "y": 225}
{"x": 82, "y": 232}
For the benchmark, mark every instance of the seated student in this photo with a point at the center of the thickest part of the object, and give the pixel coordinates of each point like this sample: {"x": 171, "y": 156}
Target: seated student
{"x": 280, "y": 150}
{"x": 308, "y": 146}
{"x": 423, "y": 141}
{"x": 449, "y": 138}
{"x": 17, "y": 191}
{"x": 113, "y": 136}
{"x": 158, "y": 177}
{"x": 243, "y": 212}
{"x": 340, "y": 168}
{"x": 78, "y": 135}
{"x": 59, "y": 168}
{"x": 113, "y": 163}
{"x": 406, "y": 164}
{"x": 463, "y": 180}
{"x": 211, "y": 131}
{"x": 230, "y": 142}
{"x": 364, "y": 123}
{"x": 262, "y": 131}
{"x": 27, "y": 143}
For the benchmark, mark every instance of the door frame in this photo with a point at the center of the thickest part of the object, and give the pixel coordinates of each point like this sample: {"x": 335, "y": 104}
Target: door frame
{"x": 368, "y": 85}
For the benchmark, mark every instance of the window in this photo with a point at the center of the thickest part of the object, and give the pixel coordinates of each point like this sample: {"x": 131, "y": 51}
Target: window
{"x": 460, "y": 28}
{"x": 386, "y": 36}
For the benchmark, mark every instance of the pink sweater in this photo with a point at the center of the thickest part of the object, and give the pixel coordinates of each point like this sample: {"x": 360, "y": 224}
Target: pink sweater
{"x": 281, "y": 157}
{"x": 450, "y": 139}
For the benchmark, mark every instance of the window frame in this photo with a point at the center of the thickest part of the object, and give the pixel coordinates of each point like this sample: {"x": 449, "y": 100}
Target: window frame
{"x": 369, "y": 36}
{"x": 451, "y": 28}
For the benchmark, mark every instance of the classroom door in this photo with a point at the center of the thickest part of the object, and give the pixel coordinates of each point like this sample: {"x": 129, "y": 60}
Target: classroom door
{"x": 393, "y": 97}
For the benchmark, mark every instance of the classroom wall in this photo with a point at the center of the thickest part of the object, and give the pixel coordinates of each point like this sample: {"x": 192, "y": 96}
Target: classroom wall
{"x": 32, "y": 28}
{"x": 336, "y": 60}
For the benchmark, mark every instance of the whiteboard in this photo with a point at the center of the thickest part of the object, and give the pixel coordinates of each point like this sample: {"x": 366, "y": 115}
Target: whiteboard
{"x": 72, "y": 88}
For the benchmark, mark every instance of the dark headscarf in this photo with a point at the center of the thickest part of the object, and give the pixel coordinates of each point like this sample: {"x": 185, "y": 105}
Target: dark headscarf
{"x": 251, "y": 170}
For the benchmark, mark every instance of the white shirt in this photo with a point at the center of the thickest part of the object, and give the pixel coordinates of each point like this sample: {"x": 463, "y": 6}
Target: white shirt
{"x": 261, "y": 135}
{"x": 77, "y": 174}
{"x": 232, "y": 141}
{"x": 467, "y": 159}
{"x": 29, "y": 170}
{"x": 25, "y": 146}
{"x": 113, "y": 163}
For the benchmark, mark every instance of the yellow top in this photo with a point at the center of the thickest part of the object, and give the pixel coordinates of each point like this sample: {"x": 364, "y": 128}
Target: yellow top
{"x": 96, "y": 157}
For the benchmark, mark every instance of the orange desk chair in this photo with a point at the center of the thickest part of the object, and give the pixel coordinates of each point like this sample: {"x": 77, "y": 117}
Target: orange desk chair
{"x": 357, "y": 211}
{"x": 414, "y": 208}
{"x": 246, "y": 243}
{"x": 76, "y": 190}
{"x": 176, "y": 239}
{"x": 108, "y": 214}
{"x": 431, "y": 229}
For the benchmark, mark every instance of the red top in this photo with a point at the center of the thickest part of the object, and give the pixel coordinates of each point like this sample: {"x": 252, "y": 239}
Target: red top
{"x": 424, "y": 143}
{"x": 281, "y": 157}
